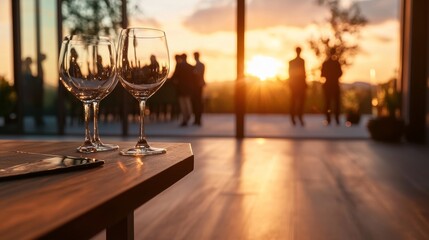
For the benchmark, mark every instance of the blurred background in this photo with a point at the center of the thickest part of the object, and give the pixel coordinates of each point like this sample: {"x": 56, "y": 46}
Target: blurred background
{"x": 368, "y": 32}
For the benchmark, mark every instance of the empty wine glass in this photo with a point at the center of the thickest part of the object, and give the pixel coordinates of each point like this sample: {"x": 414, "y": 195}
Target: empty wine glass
{"x": 99, "y": 145}
{"x": 87, "y": 70}
{"x": 142, "y": 65}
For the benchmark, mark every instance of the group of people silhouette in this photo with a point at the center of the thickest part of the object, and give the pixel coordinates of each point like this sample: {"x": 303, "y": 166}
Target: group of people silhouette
{"x": 32, "y": 90}
{"x": 331, "y": 72}
{"x": 189, "y": 82}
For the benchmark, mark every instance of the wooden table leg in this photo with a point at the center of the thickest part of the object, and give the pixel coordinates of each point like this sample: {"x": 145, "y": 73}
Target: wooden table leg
{"x": 124, "y": 229}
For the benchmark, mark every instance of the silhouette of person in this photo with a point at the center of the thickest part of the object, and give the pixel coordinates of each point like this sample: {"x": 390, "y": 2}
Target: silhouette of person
{"x": 38, "y": 94}
{"x": 175, "y": 111}
{"x": 28, "y": 85}
{"x": 154, "y": 68}
{"x": 331, "y": 71}
{"x": 178, "y": 59}
{"x": 197, "y": 96}
{"x": 154, "y": 65}
{"x": 101, "y": 73}
{"x": 74, "y": 70}
{"x": 184, "y": 78}
{"x": 297, "y": 86}
{"x": 32, "y": 90}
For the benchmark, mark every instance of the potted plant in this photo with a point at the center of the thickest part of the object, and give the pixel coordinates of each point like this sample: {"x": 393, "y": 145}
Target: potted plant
{"x": 7, "y": 101}
{"x": 387, "y": 126}
{"x": 351, "y": 104}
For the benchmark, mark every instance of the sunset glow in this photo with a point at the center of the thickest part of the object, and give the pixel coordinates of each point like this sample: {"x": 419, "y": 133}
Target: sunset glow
{"x": 264, "y": 67}
{"x": 272, "y": 33}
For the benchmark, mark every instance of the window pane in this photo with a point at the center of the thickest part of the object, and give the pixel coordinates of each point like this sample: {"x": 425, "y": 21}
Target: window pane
{"x": 7, "y": 93}
{"x": 275, "y": 28}
{"x": 39, "y": 66}
{"x": 207, "y": 27}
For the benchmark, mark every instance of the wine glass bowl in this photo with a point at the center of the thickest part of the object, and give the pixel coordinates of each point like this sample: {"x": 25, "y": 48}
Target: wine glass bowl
{"x": 87, "y": 65}
{"x": 87, "y": 70}
{"x": 142, "y": 65}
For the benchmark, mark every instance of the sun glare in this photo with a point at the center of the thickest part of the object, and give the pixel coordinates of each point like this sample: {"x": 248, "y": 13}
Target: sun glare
{"x": 263, "y": 67}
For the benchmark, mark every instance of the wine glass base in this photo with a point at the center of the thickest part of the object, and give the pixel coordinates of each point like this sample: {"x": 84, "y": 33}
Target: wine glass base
{"x": 103, "y": 147}
{"x": 142, "y": 151}
{"x": 86, "y": 149}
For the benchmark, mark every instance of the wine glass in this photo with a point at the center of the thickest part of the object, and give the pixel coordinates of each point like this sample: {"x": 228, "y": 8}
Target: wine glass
{"x": 99, "y": 145}
{"x": 142, "y": 65}
{"x": 87, "y": 70}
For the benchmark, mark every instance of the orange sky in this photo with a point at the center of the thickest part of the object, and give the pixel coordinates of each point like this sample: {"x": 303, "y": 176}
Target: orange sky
{"x": 274, "y": 29}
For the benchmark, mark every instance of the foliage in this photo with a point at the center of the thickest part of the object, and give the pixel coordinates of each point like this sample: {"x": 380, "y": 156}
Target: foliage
{"x": 92, "y": 16}
{"x": 344, "y": 28}
{"x": 389, "y": 99}
{"x": 393, "y": 100}
{"x": 351, "y": 101}
{"x": 357, "y": 100}
{"x": 7, "y": 97}
{"x": 388, "y": 125}
{"x": 273, "y": 97}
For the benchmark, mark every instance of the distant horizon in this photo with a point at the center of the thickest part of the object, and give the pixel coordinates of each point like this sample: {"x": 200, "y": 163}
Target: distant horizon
{"x": 272, "y": 32}
{"x": 249, "y": 79}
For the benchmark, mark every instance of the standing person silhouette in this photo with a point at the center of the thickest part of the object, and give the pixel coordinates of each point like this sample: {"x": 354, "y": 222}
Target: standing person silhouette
{"x": 28, "y": 87}
{"x": 184, "y": 78}
{"x": 39, "y": 93}
{"x": 331, "y": 71}
{"x": 197, "y": 96}
{"x": 74, "y": 71}
{"x": 154, "y": 65}
{"x": 32, "y": 91}
{"x": 297, "y": 86}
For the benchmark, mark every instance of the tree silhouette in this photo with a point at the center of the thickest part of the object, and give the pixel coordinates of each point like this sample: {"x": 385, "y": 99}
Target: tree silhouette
{"x": 92, "y": 16}
{"x": 345, "y": 24}
{"x": 7, "y": 97}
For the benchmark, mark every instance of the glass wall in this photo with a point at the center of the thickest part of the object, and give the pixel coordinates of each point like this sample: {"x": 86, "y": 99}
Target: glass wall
{"x": 36, "y": 84}
{"x": 30, "y": 83}
{"x": 276, "y": 28}
{"x": 95, "y": 18}
{"x": 39, "y": 76}
{"x": 7, "y": 92}
{"x": 207, "y": 27}
{"x": 273, "y": 30}
{"x": 191, "y": 26}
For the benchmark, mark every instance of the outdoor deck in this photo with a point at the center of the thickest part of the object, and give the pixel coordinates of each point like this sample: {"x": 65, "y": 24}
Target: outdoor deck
{"x": 294, "y": 189}
{"x": 302, "y": 183}
{"x": 223, "y": 125}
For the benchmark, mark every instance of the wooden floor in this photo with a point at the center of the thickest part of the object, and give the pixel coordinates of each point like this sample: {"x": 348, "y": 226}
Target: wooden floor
{"x": 294, "y": 189}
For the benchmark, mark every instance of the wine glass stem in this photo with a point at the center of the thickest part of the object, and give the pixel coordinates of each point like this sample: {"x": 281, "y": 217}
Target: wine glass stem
{"x": 142, "y": 143}
{"x": 95, "y": 106}
{"x": 87, "y": 108}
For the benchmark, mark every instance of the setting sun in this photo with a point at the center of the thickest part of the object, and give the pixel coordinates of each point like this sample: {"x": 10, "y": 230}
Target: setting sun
{"x": 264, "y": 67}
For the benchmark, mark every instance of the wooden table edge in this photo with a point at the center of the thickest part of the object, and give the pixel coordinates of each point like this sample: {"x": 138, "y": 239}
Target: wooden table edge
{"x": 90, "y": 223}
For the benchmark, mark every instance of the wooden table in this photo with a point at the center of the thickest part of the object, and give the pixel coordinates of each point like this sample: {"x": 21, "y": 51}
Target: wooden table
{"x": 79, "y": 204}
